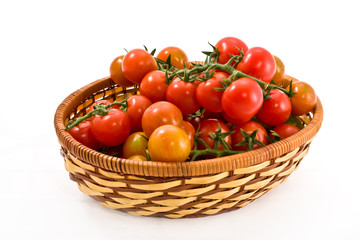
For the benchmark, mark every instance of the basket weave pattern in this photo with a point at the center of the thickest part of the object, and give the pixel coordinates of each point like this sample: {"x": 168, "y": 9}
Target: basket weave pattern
{"x": 175, "y": 190}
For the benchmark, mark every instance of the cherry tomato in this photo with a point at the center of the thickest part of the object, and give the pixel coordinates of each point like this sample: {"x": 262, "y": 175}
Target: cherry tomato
{"x": 111, "y": 129}
{"x": 190, "y": 131}
{"x": 242, "y": 99}
{"x": 82, "y": 133}
{"x": 115, "y": 151}
{"x": 182, "y": 94}
{"x": 138, "y": 158}
{"x": 169, "y": 143}
{"x": 229, "y": 46}
{"x": 249, "y": 127}
{"x": 103, "y": 102}
{"x": 137, "y": 63}
{"x": 160, "y": 113}
{"x": 280, "y": 71}
{"x": 258, "y": 63}
{"x": 137, "y": 104}
{"x": 285, "y": 130}
{"x": 211, "y": 126}
{"x": 117, "y": 74}
{"x": 304, "y": 100}
{"x": 135, "y": 144}
{"x": 153, "y": 86}
{"x": 206, "y": 94}
{"x": 178, "y": 57}
{"x": 276, "y": 110}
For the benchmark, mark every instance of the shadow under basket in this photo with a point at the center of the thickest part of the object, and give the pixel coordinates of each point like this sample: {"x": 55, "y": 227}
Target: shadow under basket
{"x": 175, "y": 190}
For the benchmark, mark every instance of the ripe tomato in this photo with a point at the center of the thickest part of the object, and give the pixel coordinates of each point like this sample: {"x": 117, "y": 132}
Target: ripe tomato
{"x": 280, "y": 71}
{"x": 137, "y": 104}
{"x": 115, "y": 151}
{"x": 249, "y": 127}
{"x": 103, "y": 102}
{"x": 182, "y": 94}
{"x": 135, "y": 144}
{"x": 82, "y": 133}
{"x": 207, "y": 96}
{"x": 242, "y": 99}
{"x": 227, "y": 46}
{"x": 111, "y": 129}
{"x": 137, "y": 63}
{"x": 190, "y": 131}
{"x": 169, "y": 143}
{"x": 285, "y": 130}
{"x": 276, "y": 110}
{"x": 211, "y": 126}
{"x": 117, "y": 74}
{"x": 153, "y": 86}
{"x": 304, "y": 100}
{"x": 258, "y": 63}
{"x": 178, "y": 57}
{"x": 158, "y": 114}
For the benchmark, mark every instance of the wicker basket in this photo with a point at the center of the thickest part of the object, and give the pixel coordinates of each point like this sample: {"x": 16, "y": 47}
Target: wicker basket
{"x": 175, "y": 190}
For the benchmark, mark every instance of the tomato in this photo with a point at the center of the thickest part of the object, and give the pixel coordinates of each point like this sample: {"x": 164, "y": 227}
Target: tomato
{"x": 137, "y": 63}
{"x": 117, "y": 74}
{"x": 258, "y": 63}
{"x": 304, "y": 100}
{"x": 190, "y": 131}
{"x": 229, "y": 46}
{"x": 242, "y": 99}
{"x": 82, "y": 133}
{"x": 137, "y": 104}
{"x": 135, "y": 144}
{"x": 249, "y": 127}
{"x": 115, "y": 151}
{"x": 276, "y": 110}
{"x": 285, "y": 130}
{"x": 153, "y": 86}
{"x": 207, "y": 96}
{"x": 103, "y": 102}
{"x": 178, "y": 57}
{"x": 111, "y": 129}
{"x": 182, "y": 94}
{"x": 211, "y": 126}
{"x": 280, "y": 71}
{"x": 169, "y": 143}
{"x": 158, "y": 114}
{"x": 138, "y": 158}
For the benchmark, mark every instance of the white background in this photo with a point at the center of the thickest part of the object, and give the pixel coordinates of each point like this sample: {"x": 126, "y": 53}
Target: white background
{"x": 48, "y": 49}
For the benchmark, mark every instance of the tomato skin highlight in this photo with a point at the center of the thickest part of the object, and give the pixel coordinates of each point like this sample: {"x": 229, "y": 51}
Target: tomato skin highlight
{"x": 137, "y": 63}
{"x": 304, "y": 100}
{"x": 229, "y": 45}
{"x": 169, "y": 143}
{"x": 178, "y": 57}
{"x": 82, "y": 133}
{"x": 249, "y": 127}
{"x": 153, "y": 86}
{"x": 117, "y": 74}
{"x": 275, "y": 111}
{"x": 242, "y": 99}
{"x": 137, "y": 104}
{"x": 211, "y": 126}
{"x": 111, "y": 129}
{"x": 258, "y": 63}
{"x": 285, "y": 130}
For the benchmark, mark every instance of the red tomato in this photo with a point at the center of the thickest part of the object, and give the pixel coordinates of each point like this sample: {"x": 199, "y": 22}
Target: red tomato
{"x": 82, "y": 133}
{"x": 178, "y": 57}
{"x": 111, "y": 129}
{"x": 115, "y": 151}
{"x": 117, "y": 74}
{"x": 211, "y": 126}
{"x": 153, "y": 86}
{"x": 207, "y": 96}
{"x": 304, "y": 100}
{"x": 137, "y": 104}
{"x": 227, "y": 46}
{"x": 249, "y": 127}
{"x": 190, "y": 131}
{"x": 103, "y": 102}
{"x": 242, "y": 99}
{"x": 160, "y": 113}
{"x": 285, "y": 130}
{"x": 137, "y": 63}
{"x": 258, "y": 63}
{"x": 276, "y": 110}
{"x": 182, "y": 94}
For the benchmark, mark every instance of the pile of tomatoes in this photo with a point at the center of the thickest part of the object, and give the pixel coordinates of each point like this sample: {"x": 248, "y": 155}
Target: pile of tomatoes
{"x": 234, "y": 101}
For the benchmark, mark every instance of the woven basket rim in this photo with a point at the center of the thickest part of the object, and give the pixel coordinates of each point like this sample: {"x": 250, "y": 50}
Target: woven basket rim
{"x": 165, "y": 169}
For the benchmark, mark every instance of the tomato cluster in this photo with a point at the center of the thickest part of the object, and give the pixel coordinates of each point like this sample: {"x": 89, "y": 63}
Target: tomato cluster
{"x": 235, "y": 101}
